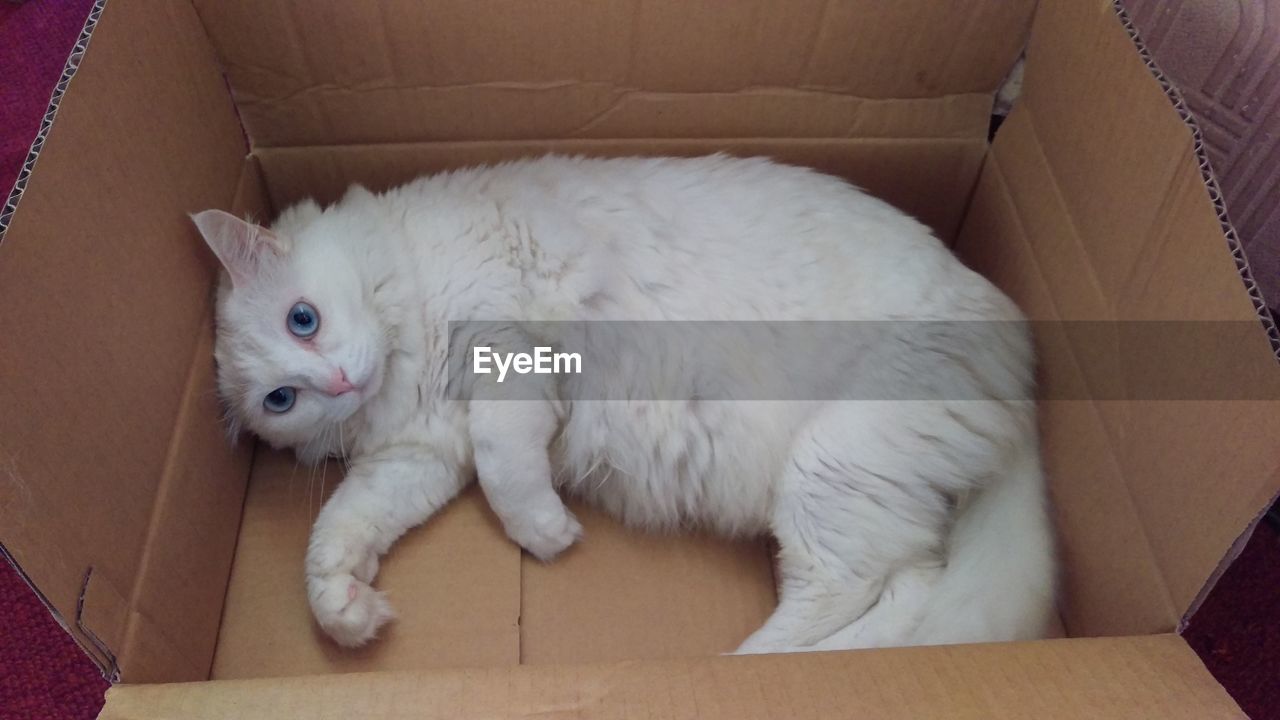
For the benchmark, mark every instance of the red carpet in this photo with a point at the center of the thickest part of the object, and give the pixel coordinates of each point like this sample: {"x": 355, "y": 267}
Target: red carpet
{"x": 44, "y": 675}
{"x": 35, "y": 39}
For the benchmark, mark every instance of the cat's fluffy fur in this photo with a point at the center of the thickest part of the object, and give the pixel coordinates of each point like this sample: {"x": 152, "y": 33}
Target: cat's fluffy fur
{"x": 898, "y": 522}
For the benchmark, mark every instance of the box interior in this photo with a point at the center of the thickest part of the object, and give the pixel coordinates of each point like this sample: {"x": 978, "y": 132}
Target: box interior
{"x": 182, "y": 559}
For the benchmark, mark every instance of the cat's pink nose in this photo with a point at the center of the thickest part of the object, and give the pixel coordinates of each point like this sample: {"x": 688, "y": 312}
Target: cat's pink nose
{"x": 338, "y": 383}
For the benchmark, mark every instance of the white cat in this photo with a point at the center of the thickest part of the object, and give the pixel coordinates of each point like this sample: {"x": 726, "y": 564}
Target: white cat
{"x": 901, "y": 519}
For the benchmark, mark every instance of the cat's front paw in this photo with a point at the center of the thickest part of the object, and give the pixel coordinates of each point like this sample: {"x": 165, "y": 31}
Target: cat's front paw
{"x": 545, "y": 535}
{"x": 332, "y": 553}
{"x": 347, "y": 609}
{"x": 340, "y": 566}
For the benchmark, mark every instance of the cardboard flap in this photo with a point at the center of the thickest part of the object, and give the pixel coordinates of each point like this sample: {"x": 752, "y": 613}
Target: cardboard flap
{"x": 364, "y": 72}
{"x": 1149, "y": 677}
{"x": 1092, "y": 207}
{"x": 106, "y": 421}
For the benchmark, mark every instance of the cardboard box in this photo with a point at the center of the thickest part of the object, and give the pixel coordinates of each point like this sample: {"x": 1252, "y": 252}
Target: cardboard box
{"x": 173, "y": 557}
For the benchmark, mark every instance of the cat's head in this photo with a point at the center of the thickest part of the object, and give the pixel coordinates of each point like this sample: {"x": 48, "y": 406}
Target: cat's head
{"x": 299, "y": 347}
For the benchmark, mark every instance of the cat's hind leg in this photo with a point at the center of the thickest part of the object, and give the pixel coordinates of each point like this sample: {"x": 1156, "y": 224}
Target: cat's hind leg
{"x": 862, "y": 498}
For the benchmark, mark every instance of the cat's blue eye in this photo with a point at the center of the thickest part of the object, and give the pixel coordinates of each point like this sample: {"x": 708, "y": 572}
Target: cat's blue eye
{"x": 280, "y": 399}
{"x": 304, "y": 320}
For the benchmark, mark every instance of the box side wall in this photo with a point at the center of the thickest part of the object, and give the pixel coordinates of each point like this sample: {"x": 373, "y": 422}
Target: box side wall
{"x": 1091, "y": 206}
{"x": 104, "y": 304}
{"x": 930, "y": 179}
{"x": 444, "y": 70}
{"x": 197, "y": 516}
{"x": 1118, "y": 678}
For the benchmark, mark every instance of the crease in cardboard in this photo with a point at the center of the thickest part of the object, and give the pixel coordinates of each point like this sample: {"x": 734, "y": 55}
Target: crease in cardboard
{"x": 588, "y": 144}
{"x": 1064, "y": 207}
{"x": 1151, "y": 246}
{"x": 51, "y": 111}
{"x": 608, "y": 111}
{"x": 802, "y": 90}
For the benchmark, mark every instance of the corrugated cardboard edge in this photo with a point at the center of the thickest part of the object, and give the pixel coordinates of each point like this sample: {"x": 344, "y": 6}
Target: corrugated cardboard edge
{"x": 1237, "y": 254}
{"x": 60, "y": 89}
{"x": 1210, "y": 181}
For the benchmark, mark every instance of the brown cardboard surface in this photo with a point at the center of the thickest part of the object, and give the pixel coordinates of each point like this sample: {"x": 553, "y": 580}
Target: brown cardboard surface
{"x": 1144, "y": 677}
{"x": 930, "y": 179}
{"x": 107, "y": 438}
{"x": 627, "y": 595}
{"x": 468, "y": 599}
{"x": 1091, "y": 208}
{"x": 342, "y": 73}
{"x": 457, "y": 580}
{"x": 177, "y": 602}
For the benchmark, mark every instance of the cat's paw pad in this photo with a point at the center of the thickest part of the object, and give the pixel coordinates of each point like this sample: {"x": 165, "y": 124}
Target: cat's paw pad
{"x": 347, "y": 609}
{"x": 548, "y": 535}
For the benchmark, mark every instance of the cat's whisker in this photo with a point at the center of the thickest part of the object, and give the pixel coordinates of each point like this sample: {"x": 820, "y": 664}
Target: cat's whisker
{"x": 342, "y": 446}
{"x": 324, "y": 470}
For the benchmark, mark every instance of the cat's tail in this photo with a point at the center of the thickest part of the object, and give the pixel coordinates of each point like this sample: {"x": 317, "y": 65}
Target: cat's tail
{"x": 1000, "y": 577}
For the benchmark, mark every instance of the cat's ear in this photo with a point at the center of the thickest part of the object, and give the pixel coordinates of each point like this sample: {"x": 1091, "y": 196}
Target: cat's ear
{"x": 241, "y": 246}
